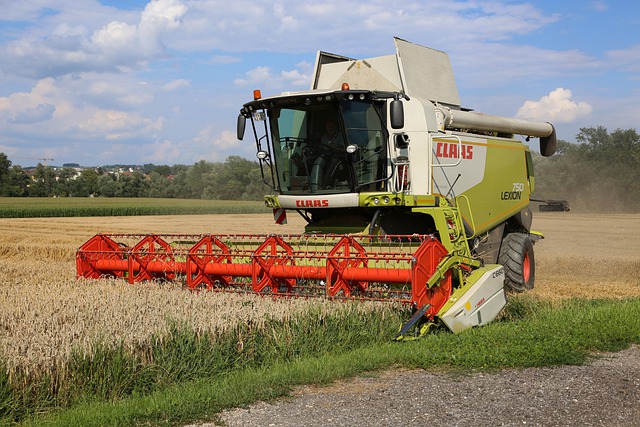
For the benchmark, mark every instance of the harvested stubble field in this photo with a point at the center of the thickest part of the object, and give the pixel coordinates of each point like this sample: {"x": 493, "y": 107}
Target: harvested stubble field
{"x": 45, "y": 312}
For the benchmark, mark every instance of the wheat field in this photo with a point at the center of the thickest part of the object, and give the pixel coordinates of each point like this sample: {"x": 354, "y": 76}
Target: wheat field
{"x": 587, "y": 255}
{"x": 45, "y": 313}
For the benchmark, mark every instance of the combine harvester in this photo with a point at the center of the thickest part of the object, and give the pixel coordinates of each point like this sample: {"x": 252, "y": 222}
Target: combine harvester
{"x": 408, "y": 197}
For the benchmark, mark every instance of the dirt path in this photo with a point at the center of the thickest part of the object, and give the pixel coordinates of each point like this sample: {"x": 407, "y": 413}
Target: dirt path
{"x": 604, "y": 393}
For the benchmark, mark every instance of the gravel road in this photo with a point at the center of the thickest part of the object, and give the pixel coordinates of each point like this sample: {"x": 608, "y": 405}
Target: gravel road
{"x": 606, "y": 392}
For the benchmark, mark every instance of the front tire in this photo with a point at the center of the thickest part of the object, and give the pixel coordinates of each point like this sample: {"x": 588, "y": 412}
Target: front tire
{"x": 517, "y": 257}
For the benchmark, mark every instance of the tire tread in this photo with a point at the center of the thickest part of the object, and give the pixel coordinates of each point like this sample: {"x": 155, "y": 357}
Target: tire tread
{"x": 512, "y": 253}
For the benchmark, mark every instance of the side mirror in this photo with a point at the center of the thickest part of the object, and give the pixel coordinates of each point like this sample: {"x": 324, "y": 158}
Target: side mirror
{"x": 242, "y": 122}
{"x": 397, "y": 114}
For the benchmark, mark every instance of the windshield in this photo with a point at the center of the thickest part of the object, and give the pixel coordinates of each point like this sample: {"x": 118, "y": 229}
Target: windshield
{"x": 364, "y": 129}
{"x": 310, "y": 148}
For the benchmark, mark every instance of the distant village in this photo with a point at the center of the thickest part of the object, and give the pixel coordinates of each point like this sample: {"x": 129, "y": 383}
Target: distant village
{"x": 115, "y": 170}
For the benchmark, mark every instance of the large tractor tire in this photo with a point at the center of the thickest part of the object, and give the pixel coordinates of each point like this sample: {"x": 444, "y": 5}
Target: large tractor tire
{"x": 516, "y": 255}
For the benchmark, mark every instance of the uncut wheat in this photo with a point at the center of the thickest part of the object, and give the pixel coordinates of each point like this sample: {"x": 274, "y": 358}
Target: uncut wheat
{"x": 46, "y": 313}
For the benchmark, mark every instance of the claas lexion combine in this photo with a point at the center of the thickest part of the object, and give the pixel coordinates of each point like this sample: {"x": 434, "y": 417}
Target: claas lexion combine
{"x": 408, "y": 197}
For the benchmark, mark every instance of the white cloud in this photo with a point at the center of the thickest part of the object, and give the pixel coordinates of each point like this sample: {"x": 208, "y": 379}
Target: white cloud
{"x": 165, "y": 152}
{"x": 115, "y": 36}
{"x": 627, "y": 59}
{"x": 25, "y": 10}
{"x": 64, "y": 115}
{"x": 115, "y": 91}
{"x": 226, "y": 140}
{"x": 35, "y": 114}
{"x": 557, "y": 107}
{"x": 263, "y": 77}
{"x": 75, "y": 45}
{"x": 112, "y": 125}
{"x": 224, "y": 59}
{"x": 176, "y": 84}
{"x": 216, "y": 145}
{"x": 160, "y": 17}
{"x": 260, "y": 74}
{"x": 121, "y": 42}
{"x": 8, "y": 150}
{"x": 23, "y": 104}
{"x": 350, "y": 25}
{"x": 502, "y": 65}
{"x": 599, "y": 6}
{"x": 209, "y": 137}
{"x": 80, "y": 42}
{"x": 210, "y": 144}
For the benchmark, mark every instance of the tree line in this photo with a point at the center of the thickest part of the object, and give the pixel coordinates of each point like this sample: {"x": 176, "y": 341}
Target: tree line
{"x": 234, "y": 179}
{"x": 600, "y": 172}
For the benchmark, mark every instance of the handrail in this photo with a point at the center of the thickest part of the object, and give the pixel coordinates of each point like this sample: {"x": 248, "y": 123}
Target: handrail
{"x": 473, "y": 223}
{"x": 459, "y": 151}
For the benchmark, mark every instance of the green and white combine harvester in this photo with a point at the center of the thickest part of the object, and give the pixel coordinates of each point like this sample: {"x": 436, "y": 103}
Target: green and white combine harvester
{"x": 408, "y": 197}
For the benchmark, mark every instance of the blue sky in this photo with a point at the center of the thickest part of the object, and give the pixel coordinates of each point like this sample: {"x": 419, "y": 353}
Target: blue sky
{"x": 162, "y": 81}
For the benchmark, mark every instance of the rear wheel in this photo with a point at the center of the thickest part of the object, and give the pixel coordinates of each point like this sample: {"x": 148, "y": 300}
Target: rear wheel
{"x": 516, "y": 255}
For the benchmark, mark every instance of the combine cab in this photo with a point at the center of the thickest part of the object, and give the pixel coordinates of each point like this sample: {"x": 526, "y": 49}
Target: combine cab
{"x": 407, "y": 197}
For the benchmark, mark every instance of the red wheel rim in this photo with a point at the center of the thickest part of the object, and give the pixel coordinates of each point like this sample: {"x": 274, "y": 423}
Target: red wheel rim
{"x": 526, "y": 268}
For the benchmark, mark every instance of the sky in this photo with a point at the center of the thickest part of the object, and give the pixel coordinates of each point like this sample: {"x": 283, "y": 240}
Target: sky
{"x": 100, "y": 82}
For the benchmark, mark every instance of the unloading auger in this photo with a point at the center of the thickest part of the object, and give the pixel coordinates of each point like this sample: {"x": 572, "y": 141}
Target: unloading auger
{"x": 408, "y": 198}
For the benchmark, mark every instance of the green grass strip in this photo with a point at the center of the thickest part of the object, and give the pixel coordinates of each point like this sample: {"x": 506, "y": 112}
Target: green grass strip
{"x": 23, "y": 207}
{"x": 533, "y": 334}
